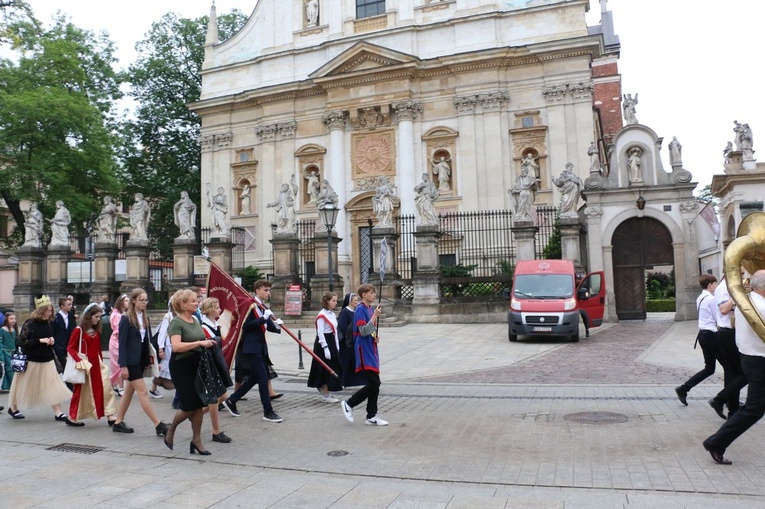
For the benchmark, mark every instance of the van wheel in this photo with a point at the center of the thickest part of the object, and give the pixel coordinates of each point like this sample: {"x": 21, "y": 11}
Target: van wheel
{"x": 510, "y": 336}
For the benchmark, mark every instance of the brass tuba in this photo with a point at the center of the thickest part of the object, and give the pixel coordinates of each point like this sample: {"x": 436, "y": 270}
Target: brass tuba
{"x": 747, "y": 250}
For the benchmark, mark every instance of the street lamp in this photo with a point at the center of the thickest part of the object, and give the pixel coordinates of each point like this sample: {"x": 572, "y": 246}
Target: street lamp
{"x": 640, "y": 201}
{"x": 328, "y": 217}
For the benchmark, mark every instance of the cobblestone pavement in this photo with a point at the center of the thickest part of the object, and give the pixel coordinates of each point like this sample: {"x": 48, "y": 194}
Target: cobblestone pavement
{"x": 451, "y": 443}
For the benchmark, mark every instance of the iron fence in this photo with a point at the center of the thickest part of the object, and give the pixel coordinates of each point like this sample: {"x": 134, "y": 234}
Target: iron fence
{"x": 482, "y": 240}
{"x": 306, "y": 230}
{"x": 546, "y": 218}
{"x": 237, "y": 239}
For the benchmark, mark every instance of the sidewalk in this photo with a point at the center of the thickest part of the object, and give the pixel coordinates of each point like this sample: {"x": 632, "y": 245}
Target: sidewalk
{"x": 451, "y": 443}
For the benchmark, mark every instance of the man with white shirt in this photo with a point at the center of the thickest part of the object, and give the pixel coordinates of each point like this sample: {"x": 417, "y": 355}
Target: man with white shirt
{"x": 752, "y": 349}
{"x": 63, "y": 325}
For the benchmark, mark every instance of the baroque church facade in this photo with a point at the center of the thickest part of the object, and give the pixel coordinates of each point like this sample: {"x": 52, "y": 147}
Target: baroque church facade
{"x": 355, "y": 91}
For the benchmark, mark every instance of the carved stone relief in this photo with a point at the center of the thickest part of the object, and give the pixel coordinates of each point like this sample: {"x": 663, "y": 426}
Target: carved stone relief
{"x": 373, "y": 154}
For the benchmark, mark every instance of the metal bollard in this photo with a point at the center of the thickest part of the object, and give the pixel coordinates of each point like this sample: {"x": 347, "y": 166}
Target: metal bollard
{"x": 300, "y": 350}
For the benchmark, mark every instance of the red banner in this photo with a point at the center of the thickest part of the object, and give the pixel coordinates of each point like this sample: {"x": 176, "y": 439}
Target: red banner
{"x": 235, "y": 303}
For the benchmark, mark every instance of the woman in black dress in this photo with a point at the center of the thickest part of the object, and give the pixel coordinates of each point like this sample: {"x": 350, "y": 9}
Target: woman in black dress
{"x": 326, "y": 346}
{"x": 345, "y": 334}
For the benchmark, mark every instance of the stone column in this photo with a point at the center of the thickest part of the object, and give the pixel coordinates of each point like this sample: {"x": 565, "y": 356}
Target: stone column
{"x": 320, "y": 280}
{"x": 406, "y": 112}
{"x": 524, "y": 233}
{"x": 390, "y": 279}
{"x": 569, "y": 241}
{"x": 286, "y": 268}
{"x": 30, "y": 278}
{"x": 56, "y": 284}
{"x": 183, "y": 264}
{"x": 426, "y": 278}
{"x": 221, "y": 249}
{"x": 137, "y": 261}
{"x": 337, "y": 174}
{"x": 104, "y": 282}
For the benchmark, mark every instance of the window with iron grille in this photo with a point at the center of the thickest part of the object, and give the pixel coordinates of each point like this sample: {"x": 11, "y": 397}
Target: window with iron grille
{"x": 368, "y": 8}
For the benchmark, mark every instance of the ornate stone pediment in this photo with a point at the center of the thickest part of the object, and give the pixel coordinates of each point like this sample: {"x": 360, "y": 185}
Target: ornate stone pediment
{"x": 363, "y": 57}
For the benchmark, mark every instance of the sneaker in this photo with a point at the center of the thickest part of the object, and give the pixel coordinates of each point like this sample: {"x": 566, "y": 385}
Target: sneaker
{"x": 682, "y": 394}
{"x": 328, "y": 398}
{"x": 376, "y": 421}
{"x": 221, "y": 437}
{"x": 231, "y": 407}
{"x": 16, "y": 414}
{"x": 272, "y": 417}
{"x": 156, "y": 394}
{"x": 347, "y": 411}
{"x": 121, "y": 427}
{"x": 118, "y": 391}
{"x": 221, "y": 407}
{"x": 161, "y": 429}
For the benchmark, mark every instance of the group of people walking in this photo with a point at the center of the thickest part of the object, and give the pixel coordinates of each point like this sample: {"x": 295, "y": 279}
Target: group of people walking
{"x": 187, "y": 357}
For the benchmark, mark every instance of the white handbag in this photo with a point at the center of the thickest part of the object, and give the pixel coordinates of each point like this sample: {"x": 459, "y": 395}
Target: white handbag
{"x": 73, "y": 375}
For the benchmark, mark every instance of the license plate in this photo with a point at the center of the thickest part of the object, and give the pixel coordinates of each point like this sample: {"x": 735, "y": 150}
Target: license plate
{"x": 542, "y": 329}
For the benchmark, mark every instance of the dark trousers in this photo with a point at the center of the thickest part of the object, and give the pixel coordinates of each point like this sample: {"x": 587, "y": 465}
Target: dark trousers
{"x": 369, "y": 392}
{"x": 258, "y": 375}
{"x": 708, "y": 343}
{"x": 730, "y": 358}
{"x": 750, "y": 413}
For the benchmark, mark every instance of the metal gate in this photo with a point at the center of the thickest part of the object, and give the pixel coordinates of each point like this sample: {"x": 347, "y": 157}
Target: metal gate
{"x": 365, "y": 252}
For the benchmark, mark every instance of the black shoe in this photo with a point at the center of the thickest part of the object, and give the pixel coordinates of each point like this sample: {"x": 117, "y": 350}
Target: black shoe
{"x": 231, "y": 407}
{"x": 717, "y": 455}
{"x": 121, "y": 427}
{"x": 161, "y": 429}
{"x": 2, "y": 408}
{"x": 682, "y": 394}
{"x": 111, "y": 423}
{"x": 718, "y": 407}
{"x": 16, "y": 414}
{"x": 272, "y": 417}
{"x": 193, "y": 448}
{"x": 277, "y": 396}
{"x": 221, "y": 437}
{"x": 168, "y": 444}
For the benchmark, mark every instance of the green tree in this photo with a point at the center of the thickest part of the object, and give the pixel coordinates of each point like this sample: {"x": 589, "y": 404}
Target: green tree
{"x": 554, "y": 249}
{"x": 56, "y": 94}
{"x": 160, "y": 149}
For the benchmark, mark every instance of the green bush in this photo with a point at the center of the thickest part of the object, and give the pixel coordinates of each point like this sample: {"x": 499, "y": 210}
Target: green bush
{"x": 660, "y": 305}
{"x": 249, "y": 275}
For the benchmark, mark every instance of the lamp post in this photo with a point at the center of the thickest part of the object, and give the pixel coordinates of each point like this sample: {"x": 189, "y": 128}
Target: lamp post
{"x": 328, "y": 217}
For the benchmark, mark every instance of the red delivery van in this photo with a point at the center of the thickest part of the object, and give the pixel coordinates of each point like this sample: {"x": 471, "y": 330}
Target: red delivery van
{"x": 547, "y": 301}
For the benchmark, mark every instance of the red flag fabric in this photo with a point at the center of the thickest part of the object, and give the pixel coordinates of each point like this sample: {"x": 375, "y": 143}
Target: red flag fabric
{"x": 235, "y": 304}
{"x": 708, "y": 213}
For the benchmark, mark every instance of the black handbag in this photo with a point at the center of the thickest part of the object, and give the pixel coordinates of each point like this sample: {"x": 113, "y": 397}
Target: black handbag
{"x": 19, "y": 361}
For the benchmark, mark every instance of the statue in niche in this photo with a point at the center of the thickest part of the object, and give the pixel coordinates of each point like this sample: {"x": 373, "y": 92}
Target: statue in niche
{"x": 675, "y": 153}
{"x": 327, "y": 197}
{"x": 59, "y": 225}
{"x": 726, "y": 152}
{"x": 628, "y": 106}
{"x": 313, "y": 186}
{"x": 140, "y": 215}
{"x": 244, "y": 200}
{"x": 383, "y": 203}
{"x": 594, "y": 154}
{"x": 33, "y": 226}
{"x": 285, "y": 207}
{"x": 634, "y": 164}
{"x": 443, "y": 170}
{"x": 312, "y": 12}
{"x": 531, "y": 166}
{"x": 425, "y": 198}
{"x": 185, "y": 212}
{"x": 524, "y": 193}
{"x": 570, "y": 187}
{"x": 107, "y": 220}
{"x": 219, "y": 205}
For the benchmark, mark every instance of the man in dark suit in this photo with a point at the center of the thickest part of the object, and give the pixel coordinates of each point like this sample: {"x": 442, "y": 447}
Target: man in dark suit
{"x": 255, "y": 349}
{"x": 63, "y": 325}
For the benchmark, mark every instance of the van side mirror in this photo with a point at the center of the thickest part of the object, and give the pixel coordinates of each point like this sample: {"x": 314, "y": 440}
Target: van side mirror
{"x": 506, "y": 294}
{"x": 583, "y": 294}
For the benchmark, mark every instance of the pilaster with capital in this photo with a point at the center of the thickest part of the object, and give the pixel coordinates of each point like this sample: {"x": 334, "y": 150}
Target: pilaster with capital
{"x": 336, "y": 122}
{"x": 406, "y": 112}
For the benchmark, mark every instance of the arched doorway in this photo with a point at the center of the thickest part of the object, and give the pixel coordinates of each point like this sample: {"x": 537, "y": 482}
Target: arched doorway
{"x": 639, "y": 243}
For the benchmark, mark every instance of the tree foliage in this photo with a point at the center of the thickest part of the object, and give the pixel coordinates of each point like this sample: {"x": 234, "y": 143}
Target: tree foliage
{"x": 160, "y": 150}
{"x": 56, "y": 95}
{"x": 554, "y": 248}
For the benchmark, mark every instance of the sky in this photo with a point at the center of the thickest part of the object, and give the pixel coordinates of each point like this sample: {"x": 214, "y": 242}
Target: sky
{"x": 693, "y": 64}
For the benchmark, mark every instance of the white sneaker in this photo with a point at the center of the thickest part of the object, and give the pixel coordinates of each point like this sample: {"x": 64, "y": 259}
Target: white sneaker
{"x": 155, "y": 394}
{"x": 376, "y": 421}
{"x": 328, "y": 398}
{"x": 347, "y": 411}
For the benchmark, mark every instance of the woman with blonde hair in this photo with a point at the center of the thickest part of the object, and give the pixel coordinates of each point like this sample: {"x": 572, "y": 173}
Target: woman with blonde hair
{"x": 40, "y": 383}
{"x": 188, "y": 341}
{"x": 120, "y": 306}
{"x": 94, "y": 398}
{"x": 211, "y": 311}
{"x": 134, "y": 358}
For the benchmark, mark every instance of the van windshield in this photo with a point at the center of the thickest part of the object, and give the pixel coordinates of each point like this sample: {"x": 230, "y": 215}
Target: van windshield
{"x": 543, "y": 286}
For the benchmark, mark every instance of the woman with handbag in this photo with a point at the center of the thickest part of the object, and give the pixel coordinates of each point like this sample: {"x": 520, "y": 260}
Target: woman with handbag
{"x": 135, "y": 356}
{"x": 93, "y": 398}
{"x": 189, "y": 341}
{"x": 120, "y": 306}
{"x": 326, "y": 345}
{"x": 8, "y": 334}
{"x": 211, "y": 311}
{"x": 39, "y": 384}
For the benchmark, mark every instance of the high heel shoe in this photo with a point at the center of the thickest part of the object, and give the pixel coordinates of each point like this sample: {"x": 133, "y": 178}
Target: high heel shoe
{"x": 193, "y": 448}
{"x": 168, "y": 444}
